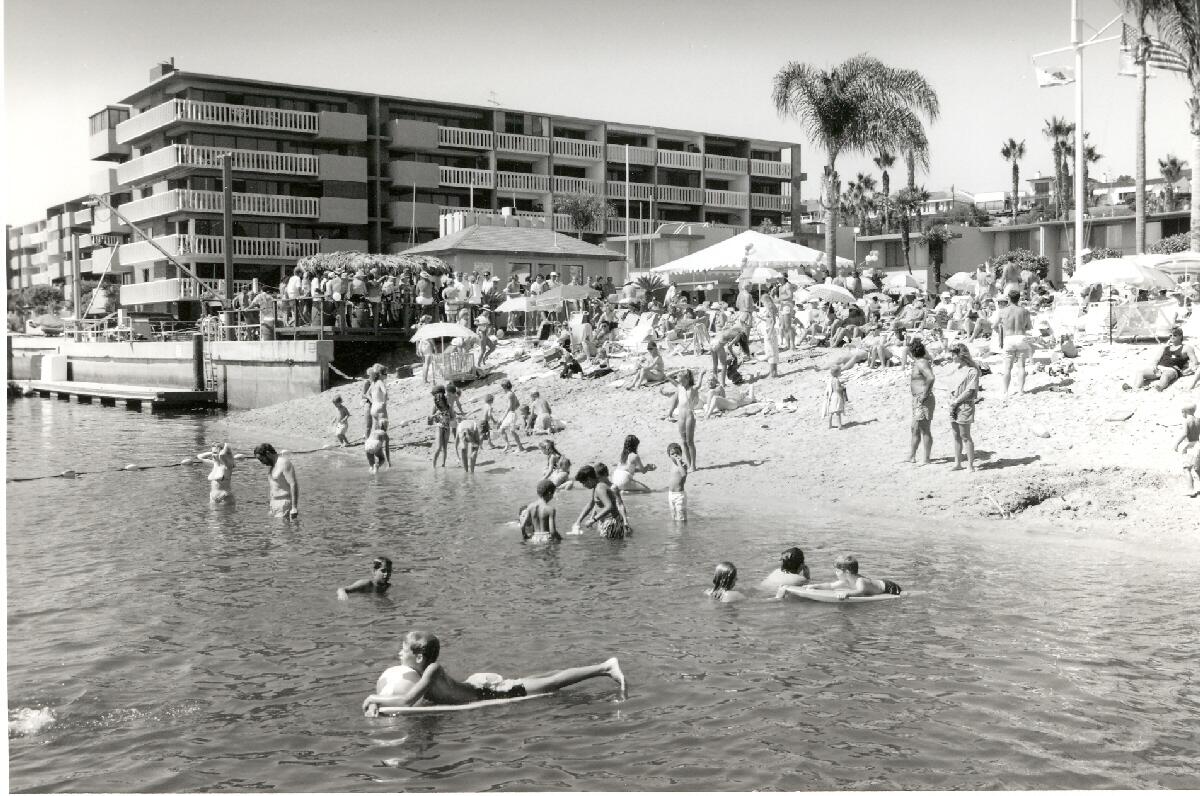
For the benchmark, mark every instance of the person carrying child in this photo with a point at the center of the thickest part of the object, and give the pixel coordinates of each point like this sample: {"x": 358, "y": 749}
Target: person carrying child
{"x": 851, "y": 584}
{"x": 539, "y": 519}
{"x": 377, "y": 583}
{"x": 421, "y": 677}
{"x": 1190, "y": 440}
{"x": 676, "y": 496}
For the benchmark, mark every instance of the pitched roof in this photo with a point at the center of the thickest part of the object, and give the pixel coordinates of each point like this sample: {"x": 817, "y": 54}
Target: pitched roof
{"x": 514, "y": 240}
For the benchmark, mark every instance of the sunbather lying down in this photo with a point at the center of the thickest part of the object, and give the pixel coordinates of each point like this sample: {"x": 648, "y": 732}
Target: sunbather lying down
{"x": 717, "y": 402}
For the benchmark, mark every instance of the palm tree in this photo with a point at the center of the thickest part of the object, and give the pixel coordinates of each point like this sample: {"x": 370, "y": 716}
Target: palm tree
{"x": 1179, "y": 26}
{"x": 1090, "y": 156}
{"x": 1013, "y": 152}
{"x": 908, "y": 207}
{"x": 884, "y": 161}
{"x": 858, "y": 106}
{"x": 1171, "y": 170}
{"x": 1141, "y": 10}
{"x": 1058, "y": 131}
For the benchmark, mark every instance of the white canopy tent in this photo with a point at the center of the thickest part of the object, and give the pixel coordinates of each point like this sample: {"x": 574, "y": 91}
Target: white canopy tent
{"x": 749, "y": 249}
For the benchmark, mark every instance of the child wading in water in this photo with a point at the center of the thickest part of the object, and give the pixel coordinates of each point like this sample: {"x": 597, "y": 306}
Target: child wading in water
{"x": 538, "y": 520}
{"x": 602, "y": 506}
{"x": 440, "y": 420}
{"x": 378, "y": 583}
{"x": 419, "y": 676}
{"x": 509, "y": 417}
{"x": 724, "y": 579}
{"x": 342, "y": 424}
{"x": 835, "y": 396}
{"x": 1190, "y": 440}
{"x": 377, "y": 446}
{"x": 676, "y": 497}
{"x": 602, "y": 477}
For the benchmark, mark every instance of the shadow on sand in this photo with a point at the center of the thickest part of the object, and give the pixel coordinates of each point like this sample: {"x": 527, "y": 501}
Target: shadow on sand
{"x": 740, "y": 463}
{"x": 1001, "y": 463}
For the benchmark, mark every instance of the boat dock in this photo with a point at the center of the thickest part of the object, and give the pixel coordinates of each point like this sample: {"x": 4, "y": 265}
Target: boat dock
{"x": 132, "y": 396}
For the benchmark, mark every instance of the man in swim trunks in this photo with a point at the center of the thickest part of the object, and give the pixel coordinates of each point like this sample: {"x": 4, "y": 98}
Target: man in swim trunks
{"x": 539, "y": 519}
{"x": 850, "y": 584}
{"x": 420, "y": 676}
{"x": 378, "y": 583}
{"x": 282, "y": 487}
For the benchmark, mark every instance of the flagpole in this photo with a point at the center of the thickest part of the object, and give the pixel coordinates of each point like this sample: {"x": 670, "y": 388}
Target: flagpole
{"x": 1080, "y": 188}
{"x": 627, "y": 209}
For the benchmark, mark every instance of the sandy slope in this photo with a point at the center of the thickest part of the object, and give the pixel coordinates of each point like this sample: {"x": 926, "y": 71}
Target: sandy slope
{"x": 1049, "y": 455}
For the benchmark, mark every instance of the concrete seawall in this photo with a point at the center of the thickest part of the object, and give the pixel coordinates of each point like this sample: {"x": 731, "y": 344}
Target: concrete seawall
{"x": 249, "y": 374}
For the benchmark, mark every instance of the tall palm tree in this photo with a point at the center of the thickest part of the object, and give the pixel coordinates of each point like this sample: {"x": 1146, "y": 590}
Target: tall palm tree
{"x": 908, "y": 208}
{"x": 1179, "y": 26}
{"x": 859, "y": 106}
{"x": 1013, "y": 152}
{"x": 1141, "y": 11}
{"x": 1171, "y": 170}
{"x": 1058, "y": 131}
{"x": 884, "y": 161}
{"x": 1090, "y": 156}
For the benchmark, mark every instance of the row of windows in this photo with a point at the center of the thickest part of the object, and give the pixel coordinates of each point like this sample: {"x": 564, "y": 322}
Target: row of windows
{"x": 271, "y": 187}
{"x": 455, "y": 161}
{"x": 260, "y": 101}
{"x": 256, "y": 143}
{"x": 263, "y": 229}
{"x": 107, "y": 119}
{"x": 444, "y": 121}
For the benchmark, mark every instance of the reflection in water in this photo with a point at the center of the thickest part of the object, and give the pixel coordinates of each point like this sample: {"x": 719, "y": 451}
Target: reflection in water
{"x": 183, "y": 646}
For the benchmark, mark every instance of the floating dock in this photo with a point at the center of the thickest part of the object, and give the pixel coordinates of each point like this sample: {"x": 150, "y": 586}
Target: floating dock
{"x": 128, "y": 394}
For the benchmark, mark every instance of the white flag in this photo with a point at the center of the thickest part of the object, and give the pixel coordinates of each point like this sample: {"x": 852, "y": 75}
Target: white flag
{"x": 1057, "y": 76}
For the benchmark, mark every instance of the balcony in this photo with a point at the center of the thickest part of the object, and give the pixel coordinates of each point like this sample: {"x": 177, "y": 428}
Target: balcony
{"x": 410, "y": 215}
{"x": 529, "y": 183}
{"x": 731, "y": 199}
{"x": 246, "y": 204}
{"x": 577, "y": 149}
{"x": 522, "y": 144}
{"x": 106, "y": 222}
{"x": 212, "y": 247}
{"x": 636, "y": 190}
{"x": 454, "y": 177}
{"x": 80, "y": 218}
{"x": 408, "y": 173}
{"x": 215, "y": 113}
{"x": 680, "y": 160}
{"x": 771, "y": 168}
{"x": 107, "y": 261}
{"x": 726, "y": 164}
{"x": 562, "y": 223}
{"x": 679, "y": 195}
{"x": 762, "y": 201}
{"x": 618, "y": 226}
{"x": 576, "y": 185}
{"x": 163, "y": 290}
{"x": 177, "y": 159}
{"x": 638, "y": 155}
{"x": 464, "y": 138}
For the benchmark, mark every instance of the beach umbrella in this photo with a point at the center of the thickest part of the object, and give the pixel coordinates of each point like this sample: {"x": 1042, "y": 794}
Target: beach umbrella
{"x": 761, "y": 274}
{"x": 1122, "y": 271}
{"x": 433, "y": 331}
{"x": 801, "y": 279}
{"x": 878, "y": 295}
{"x": 961, "y": 281}
{"x": 1180, "y": 264}
{"x": 515, "y": 304}
{"x": 563, "y": 293}
{"x": 898, "y": 281}
{"x": 829, "y": 293}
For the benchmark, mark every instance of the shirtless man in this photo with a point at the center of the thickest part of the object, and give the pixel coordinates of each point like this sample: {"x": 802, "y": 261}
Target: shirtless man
{"x": 539, "y": 519}
{"x": 282, "y": 487}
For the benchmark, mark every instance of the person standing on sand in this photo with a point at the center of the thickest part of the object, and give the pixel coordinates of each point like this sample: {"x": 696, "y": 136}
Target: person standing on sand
{"x": 745, "y": 305}
{"x": 921, "y": 384}
{"x": 283, "y": 490}
{"x": 962, "y": 406}
{"x": 1014, "y": 324}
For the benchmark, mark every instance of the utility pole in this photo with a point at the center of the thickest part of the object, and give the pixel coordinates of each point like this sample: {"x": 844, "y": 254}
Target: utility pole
{"x": 76, "y": 290}
{"x": 227, "y": 221}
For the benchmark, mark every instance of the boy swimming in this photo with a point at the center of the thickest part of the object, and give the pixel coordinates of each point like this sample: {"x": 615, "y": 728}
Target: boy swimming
{"x": 378, "y": 583}
{"x": 676, "y": 497}
{"x": 850, "y": 584}
{"x": 421, "y": 677}
{"x": 539, "y": 519}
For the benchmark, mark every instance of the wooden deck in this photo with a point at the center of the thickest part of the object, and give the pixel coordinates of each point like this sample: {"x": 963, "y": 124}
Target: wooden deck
{"x": 86, "y": 391}
{"x": 384, "y": 334}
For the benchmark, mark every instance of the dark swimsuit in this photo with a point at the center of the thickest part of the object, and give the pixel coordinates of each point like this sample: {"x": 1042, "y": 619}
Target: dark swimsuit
{"x": 487, "y": 692}
{"x": 890, "y": 586}
{"x": 1174, "y": 359}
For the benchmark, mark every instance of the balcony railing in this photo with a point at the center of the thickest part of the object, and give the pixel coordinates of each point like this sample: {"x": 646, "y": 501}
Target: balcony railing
{"x": 576, "y": 148}
{"x": 562, "y": 223}
{"x": 618, "y": 226}
{"x": 733, "y": 199}
{"x": 638, "y": 155}
{"x": 525, "y": 144}
{"x": 217, "y": 113}
{"x": 636, "y": 190}
{"x": 576, "y": 185}
{"x": 680, "y": 160}
{"x": 514, "y": 181}
{"x": 464, "y": 138}
{"x": 771, "y": 168}
{"x": 214, "y": 246}
{"x": 186, "y": 156}
{"x": 762, "y": 201}
{"x": 465, "y": 178}
{"x": 675, "y": 193}
{"x": 725, "y": 163}
{"x": 248, "y": 204}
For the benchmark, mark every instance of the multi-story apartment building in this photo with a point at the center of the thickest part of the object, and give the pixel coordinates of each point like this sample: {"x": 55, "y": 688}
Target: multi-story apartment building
{"x": 39, "y": 253}
{"x": 316, "y": 169}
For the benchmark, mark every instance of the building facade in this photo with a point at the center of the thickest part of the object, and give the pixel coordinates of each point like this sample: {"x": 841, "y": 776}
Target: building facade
{"x": 318, "y": 170}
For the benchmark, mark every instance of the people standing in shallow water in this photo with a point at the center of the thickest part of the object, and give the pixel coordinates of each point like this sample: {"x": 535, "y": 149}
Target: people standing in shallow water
{"x": 283, "y": 490}
{"x": 631, "y": 465}
{"x": 221, "y": 476}
{"x": 377, "y": 446}
{"x": 377, "y": 583}
{"x": 601, "y": 509}
{"x": 440, "y": 420}
{"x": 724, "y": 579}
{"x": 792, "y": 570}
{"x": 342, "y": 424}
{"x": 539, "y": 521}
{"x": 676, "y": 496}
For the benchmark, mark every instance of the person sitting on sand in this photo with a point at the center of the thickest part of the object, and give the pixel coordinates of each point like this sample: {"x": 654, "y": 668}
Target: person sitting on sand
{"x": 850, "y": 584}
{"x": 629, "y": 466}
{"x": 1190, "y": 440}
{"x": 718, "y": 402}
{"x": 283, "y": 489}
{"x": 792, "y": 570}
{"x": 220, "y": 478}
{"x": 377, "y": 446}
{"x": 724, "y": 579}
{"x": 601, "y": 510}
{"x": 539, "y": 519}
{"x": 651, "y": 370}
{"x": 419, "y": 676}
{"x": 378, "y": 583}
{"x": 1176, "y": 358}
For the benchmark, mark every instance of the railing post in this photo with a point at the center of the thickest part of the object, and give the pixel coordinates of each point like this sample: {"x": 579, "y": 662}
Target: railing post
{"x": 198, "y": 361}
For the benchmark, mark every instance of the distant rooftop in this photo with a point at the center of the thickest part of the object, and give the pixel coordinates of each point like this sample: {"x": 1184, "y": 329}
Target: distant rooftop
{"x": 526, "y": 241}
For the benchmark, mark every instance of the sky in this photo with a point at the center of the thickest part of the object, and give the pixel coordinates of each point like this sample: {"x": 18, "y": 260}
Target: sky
{"x": 705, "y": 65}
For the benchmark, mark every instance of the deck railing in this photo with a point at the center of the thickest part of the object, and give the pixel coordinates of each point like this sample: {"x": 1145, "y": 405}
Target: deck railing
{"x": 577, "y": 148}
{"x": 732, "y": 165}
{"x": 636, "y": 190}
{"x": 525, "y": 144}
{"x": 675, "y": 193}
{"x": 576, "y": 185}
{"x": 680, "y": 160}
{"x": 217, "y": 113}
{"x": 771, "y": 168}
{"x": 514, "y": 181}
{"x": 179, "y": 156}
{"x": 638, "y": 155}
{"x": 464, "y": 138}
{"x": 732, "y": 199}
{"x": 465, "y": 178}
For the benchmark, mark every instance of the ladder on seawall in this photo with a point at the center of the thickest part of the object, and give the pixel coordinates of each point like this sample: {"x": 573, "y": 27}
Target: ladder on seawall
{"x": 211, "y": 335}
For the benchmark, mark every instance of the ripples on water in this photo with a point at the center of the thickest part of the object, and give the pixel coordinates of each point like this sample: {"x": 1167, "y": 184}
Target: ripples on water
{"x": 179, "y": 647}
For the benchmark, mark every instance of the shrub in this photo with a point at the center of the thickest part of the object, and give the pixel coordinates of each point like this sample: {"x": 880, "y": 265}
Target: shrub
{"x": 1023, "y": 257}
{"x": 655, "y": 287}
{"x": 1172, "y": 245}
{"x": 1102, "y": 253}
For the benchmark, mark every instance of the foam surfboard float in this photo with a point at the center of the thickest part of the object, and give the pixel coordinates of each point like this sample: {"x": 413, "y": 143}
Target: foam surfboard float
{"x": 483, "y": 703}
{"x": 831, "y": 596}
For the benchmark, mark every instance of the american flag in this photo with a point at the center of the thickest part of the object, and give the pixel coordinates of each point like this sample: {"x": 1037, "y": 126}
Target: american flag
{"x": 1158, "y": 54}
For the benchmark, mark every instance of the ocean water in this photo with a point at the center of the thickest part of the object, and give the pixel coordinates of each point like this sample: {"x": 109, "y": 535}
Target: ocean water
{"x": 156, "y": 643}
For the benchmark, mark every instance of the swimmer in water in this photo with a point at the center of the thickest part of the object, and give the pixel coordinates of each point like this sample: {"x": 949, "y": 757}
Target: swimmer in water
{"x": 792, "y": 570}
{"x": 283, "y": 490}
{"x": 420, "y": 677}
{"x": 724, "y": 579}
{"x": 539, "y": 519}
{"x": 850, "y": 584}
{"x": 378, "y": 446}
{"x": 378, "y": 583}
{"x": 220, "y": 477}
{"x": 631, "y": 465}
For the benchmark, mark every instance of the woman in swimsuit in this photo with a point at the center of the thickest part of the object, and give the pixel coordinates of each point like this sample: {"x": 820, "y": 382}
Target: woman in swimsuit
{"x": 766, "y": 318}
{"x": 440, "y": 420}
{"x": 921, "y": 384}
{"x": 221, "y": 475}
{"x": 1176, "y": 357}
{"x": 687, "y": 396}
{"x": 631, "y": 465}
{"x": 717, "y": 402}
{"x": 377, "y": 395}
{"x": 652, "y": 370}
{"x": 962, "y": 406}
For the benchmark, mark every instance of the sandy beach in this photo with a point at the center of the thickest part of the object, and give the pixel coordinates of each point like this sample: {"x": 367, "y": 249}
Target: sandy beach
{"x": 1050, "y": 456}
